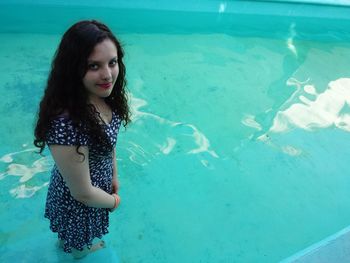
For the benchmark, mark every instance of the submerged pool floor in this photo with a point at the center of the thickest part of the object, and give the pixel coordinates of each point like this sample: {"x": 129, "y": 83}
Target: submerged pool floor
{"x": 237, "y": 151}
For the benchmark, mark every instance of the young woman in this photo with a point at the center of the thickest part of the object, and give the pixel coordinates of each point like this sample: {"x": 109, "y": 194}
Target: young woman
{"x": 80, "y": 114}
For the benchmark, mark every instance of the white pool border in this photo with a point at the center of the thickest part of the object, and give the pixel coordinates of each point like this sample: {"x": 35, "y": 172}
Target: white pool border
{"x": 335, "y": 249}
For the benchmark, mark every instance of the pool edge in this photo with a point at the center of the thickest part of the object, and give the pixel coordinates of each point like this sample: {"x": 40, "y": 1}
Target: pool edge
{"x": 334, "y": 248}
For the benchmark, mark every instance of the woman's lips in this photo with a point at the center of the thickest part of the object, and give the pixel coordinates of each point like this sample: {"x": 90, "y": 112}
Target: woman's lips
{"x": 105, "y": 85}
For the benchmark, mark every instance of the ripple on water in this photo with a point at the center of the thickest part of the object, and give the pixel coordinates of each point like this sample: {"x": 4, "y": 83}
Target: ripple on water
{"x": 20, "y": 164}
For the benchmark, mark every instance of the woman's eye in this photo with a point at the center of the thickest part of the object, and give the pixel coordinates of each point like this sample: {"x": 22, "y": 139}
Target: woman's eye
{"x": 92, "y": 66}
{"x": 113, "y": 62}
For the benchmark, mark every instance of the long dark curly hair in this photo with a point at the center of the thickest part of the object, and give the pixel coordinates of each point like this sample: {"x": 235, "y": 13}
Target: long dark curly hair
{"x": 65, "y": 92}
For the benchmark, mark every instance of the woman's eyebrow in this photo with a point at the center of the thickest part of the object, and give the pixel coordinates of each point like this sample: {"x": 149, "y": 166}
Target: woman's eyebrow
{"x": 96, "y": 61}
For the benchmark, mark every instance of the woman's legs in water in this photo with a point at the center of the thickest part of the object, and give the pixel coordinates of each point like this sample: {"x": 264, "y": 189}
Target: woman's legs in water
{"x": 80, "y": 254}
{"x": 77, "y": 254}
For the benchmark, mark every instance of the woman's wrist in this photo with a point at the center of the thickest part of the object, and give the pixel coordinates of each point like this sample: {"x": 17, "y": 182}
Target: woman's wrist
{"x": 116, "y": 202}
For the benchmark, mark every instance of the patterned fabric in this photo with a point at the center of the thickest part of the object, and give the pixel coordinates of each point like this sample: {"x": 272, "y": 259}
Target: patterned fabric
{"x": 77, "y": 224}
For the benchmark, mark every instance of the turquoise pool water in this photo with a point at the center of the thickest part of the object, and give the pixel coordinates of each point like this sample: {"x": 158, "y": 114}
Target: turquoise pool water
{"x": 238, "y": 147}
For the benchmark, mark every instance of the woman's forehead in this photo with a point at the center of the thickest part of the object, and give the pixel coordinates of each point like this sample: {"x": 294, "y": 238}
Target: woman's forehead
{"x": 104, "y": 50}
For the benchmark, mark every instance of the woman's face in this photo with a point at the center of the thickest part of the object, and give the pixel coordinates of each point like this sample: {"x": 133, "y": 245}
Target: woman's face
{"x": 102, "y": 70}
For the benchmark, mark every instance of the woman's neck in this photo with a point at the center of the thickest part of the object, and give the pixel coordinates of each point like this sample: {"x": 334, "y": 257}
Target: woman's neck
{"x": 100, "y": 105}
{"x": 96, "y": 101}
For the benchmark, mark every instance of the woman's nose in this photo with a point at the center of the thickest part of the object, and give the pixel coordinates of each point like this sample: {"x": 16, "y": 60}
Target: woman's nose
{"x": 106, "y": 74}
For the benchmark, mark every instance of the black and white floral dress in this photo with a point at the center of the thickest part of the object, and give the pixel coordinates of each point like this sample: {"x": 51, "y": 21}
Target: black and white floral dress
{"x": 77, "y": 224}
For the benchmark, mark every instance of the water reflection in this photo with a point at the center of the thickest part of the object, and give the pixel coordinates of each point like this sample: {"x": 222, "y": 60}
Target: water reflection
{"x": 309, "y": 110}
{"x": 222, "y": 7}
{"x": 290, "y": 40}
{"x": 24, "y": 191}
{"x": 316, "y": 110}
{"x": 156, "y": 135}
{"x": 16, "y": 165}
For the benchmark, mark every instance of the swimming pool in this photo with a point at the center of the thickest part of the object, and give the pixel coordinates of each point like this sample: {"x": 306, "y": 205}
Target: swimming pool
{"x": 238, "y": 147}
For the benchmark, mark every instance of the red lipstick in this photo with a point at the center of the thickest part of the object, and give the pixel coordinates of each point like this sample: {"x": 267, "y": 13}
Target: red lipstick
{"x": 105, "y": 85}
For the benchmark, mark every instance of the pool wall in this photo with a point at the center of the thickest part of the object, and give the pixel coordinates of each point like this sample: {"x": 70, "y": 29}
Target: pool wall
{"x": 334, "y": 8}
{"x": 240, "y": 18}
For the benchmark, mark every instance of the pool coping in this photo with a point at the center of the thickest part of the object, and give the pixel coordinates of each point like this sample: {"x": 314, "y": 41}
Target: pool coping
{"x": 335, "y": 248}
{"x": 305, "y": 8}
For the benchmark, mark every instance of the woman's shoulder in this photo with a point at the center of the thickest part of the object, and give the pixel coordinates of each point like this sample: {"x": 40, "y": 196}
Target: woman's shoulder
{"x": 63, "y": 130}
{"x": 61, "y": 120}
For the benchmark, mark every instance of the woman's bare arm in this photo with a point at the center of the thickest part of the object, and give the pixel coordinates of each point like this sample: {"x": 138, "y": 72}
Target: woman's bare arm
{"x": 76, "y": 174}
